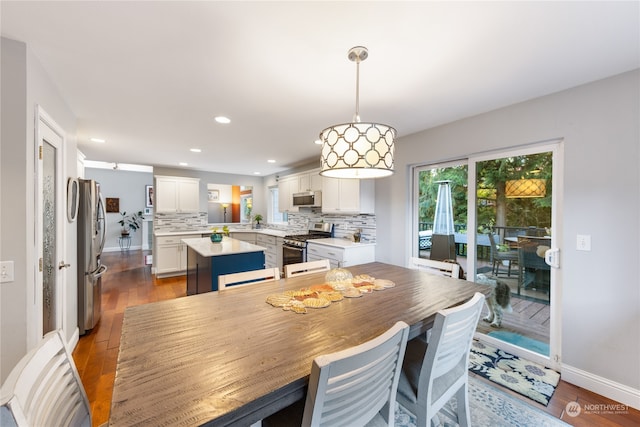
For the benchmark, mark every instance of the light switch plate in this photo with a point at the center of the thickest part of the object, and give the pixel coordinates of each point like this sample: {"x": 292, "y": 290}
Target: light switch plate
{"x": 583, "y": 242}
{"x": 6, "y": 271}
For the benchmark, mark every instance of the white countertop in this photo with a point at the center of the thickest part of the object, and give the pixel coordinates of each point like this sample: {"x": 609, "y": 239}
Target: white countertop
{"x": 199, "y": 231}
{"x": 340, "y": 243}
{"x": 269, "y": 231}
{"x": 205, "y": 247}
{"x": 182, "y": 232}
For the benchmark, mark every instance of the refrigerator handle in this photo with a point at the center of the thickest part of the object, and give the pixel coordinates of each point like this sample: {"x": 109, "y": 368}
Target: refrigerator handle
{"x": 98, "y": 274}
{"x": 102, "y": 224}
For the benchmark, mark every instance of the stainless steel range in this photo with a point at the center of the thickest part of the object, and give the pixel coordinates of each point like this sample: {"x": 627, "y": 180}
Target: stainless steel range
{"x": 294, "y": 247}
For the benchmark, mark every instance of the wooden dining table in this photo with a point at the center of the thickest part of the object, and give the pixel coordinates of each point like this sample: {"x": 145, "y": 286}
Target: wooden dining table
{"x": 229, "y": 358}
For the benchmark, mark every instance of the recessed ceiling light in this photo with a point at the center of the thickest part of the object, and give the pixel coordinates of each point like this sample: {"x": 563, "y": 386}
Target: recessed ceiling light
{"x": 100, "y": 140}
{"x": 183, "y": 164}
{"x": 317, "y": 141}
{"x": 271, "y": 161}
{"x": 223, "y": 120}
{"x": 196, "y": 150}
{"x": 256, "y": 173}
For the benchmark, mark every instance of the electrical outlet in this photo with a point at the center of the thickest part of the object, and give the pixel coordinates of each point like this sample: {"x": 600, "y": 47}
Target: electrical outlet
{"x": 6, "y": 271}
{"x": 583, "y": 242}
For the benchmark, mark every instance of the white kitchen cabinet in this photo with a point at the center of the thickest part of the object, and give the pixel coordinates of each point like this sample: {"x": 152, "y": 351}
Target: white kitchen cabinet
{"x": 348, "y": 195}
{"x": 271, "y": 259}
{"x": 175, "y": 194}
{"x": 170, "y": 256}
{"x": 297, "y": 183}
{"x": 341, "y": 255}
{"x": 245, "y": 237}
{"x": 311, "y": 181}
{"x": 286, "y": 187}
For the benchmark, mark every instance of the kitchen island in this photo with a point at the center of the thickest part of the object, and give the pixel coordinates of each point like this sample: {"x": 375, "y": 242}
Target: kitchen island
{"x": 207, "y": 260}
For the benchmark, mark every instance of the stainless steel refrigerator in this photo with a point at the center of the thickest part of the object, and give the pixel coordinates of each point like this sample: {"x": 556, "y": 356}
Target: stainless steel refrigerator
{"x": 92, "y": 228}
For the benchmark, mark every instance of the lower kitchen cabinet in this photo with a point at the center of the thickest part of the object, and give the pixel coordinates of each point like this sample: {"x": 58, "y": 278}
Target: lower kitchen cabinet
{"x": 273, "y": 252}
{"x": 341, "y": 253}
{"x": 170, "y": 257}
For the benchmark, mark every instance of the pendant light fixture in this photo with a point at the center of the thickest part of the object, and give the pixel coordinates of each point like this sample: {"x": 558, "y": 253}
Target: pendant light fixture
{"x": 357, "y": 149}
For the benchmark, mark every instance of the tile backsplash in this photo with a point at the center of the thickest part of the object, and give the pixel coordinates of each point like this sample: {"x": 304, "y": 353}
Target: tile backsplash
{"x": 345, "y": 225}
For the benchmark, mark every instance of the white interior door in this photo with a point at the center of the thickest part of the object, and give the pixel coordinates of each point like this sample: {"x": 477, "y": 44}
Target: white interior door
{"x": 49, "y": 293}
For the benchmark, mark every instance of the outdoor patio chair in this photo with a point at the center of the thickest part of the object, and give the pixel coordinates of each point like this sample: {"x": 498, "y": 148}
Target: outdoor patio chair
{"x": 498, "y": 256}
{"x": 44, "y": 389}
{"x": 433, "y": 373}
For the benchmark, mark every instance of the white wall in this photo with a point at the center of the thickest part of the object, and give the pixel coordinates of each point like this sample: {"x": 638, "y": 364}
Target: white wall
{"x": 599, "y": 123}
{"x": 25, "y": 85}
{"x": 129, "y": 187}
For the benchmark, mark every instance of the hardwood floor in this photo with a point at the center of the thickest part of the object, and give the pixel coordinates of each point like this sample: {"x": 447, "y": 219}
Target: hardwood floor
{"x": 128, "y": 282}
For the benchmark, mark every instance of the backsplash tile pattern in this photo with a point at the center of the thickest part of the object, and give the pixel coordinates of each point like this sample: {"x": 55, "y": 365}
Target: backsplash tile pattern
{"x": 179, "y": 221}
{"x": 299, "y": 223}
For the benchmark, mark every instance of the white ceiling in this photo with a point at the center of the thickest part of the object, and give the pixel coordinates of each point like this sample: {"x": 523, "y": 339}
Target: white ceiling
{"x": 149, "y": 77}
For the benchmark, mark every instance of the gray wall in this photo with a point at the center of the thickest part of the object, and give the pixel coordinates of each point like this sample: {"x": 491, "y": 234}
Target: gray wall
{"x": 129, "y": 187}
{"x": 25, "y": 85}
{"x": 599, "y": 123}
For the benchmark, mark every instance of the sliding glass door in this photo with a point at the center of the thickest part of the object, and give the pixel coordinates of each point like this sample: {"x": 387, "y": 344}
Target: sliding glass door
{"x": 505, "y": 213}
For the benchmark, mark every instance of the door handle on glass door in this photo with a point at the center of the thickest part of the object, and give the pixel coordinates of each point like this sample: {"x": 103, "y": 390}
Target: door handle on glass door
{"x": 63, "y": 265}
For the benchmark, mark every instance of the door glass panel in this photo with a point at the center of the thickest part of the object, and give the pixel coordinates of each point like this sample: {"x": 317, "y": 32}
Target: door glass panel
{"x": 49, "y": 237}
{"x": 436, "y": 187}
{"x": 513, "y": 211}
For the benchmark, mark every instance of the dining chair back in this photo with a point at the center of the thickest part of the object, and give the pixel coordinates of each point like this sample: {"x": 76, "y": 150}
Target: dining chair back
{"x": 44, "y": 388}
{"x": 309, "y": 267}
{"x": 252, "y": 277}
{"x": 441, "y": 268}
{"x": 432, "y": 374}
{"x": 354, "y": 386}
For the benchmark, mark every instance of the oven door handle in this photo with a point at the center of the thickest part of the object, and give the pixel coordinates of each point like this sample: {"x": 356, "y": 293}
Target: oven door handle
{"x": 295, "y": 248}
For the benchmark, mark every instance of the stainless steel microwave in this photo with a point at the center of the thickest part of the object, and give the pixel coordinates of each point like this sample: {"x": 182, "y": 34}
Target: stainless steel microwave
{"x": 307, "y": 199}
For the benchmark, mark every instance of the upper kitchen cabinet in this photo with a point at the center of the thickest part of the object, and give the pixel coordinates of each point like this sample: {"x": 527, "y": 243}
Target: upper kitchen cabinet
{"x": 348, "y": 196}
{"x": 174, "y": 194}
{"x": 311, "y": 181}
{"x": 297, "y": 183}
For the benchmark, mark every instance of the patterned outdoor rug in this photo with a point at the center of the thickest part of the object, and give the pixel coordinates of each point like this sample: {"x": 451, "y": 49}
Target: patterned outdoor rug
{"x": 522, "y": 376}
{"x": 489, "y": 406}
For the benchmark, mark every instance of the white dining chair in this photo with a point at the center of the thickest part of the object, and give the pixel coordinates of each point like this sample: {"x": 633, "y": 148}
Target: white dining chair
{"x": 252, "y": 277}
{"x": 441, "y": 268}
{"x": 433, "y": 373}
{"x": 354, "y": 386}
{"x": 44, "y": 388}
{"x": 309, "y": 267}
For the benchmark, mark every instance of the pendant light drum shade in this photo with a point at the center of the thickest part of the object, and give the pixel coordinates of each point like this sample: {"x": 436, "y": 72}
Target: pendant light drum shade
{"x": 357, "y": 150}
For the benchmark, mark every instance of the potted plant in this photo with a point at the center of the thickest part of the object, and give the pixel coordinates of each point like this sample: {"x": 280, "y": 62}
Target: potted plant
{"x": 216, "y": 237}
{"x": 131, "y": 222}
{"x": 257, "y": 218}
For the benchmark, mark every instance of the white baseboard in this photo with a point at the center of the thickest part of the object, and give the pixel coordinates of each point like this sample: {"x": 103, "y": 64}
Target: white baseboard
{"x": 607, "y": 388}
{"x": 73, "y": 342}
{"x": 117, "y": 248}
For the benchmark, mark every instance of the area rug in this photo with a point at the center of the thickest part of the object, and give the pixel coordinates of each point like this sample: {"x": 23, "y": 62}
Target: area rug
{"x": 522, "y": 376}
{"x": 521, "y": 341}
{"x": 489, "y": 406}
